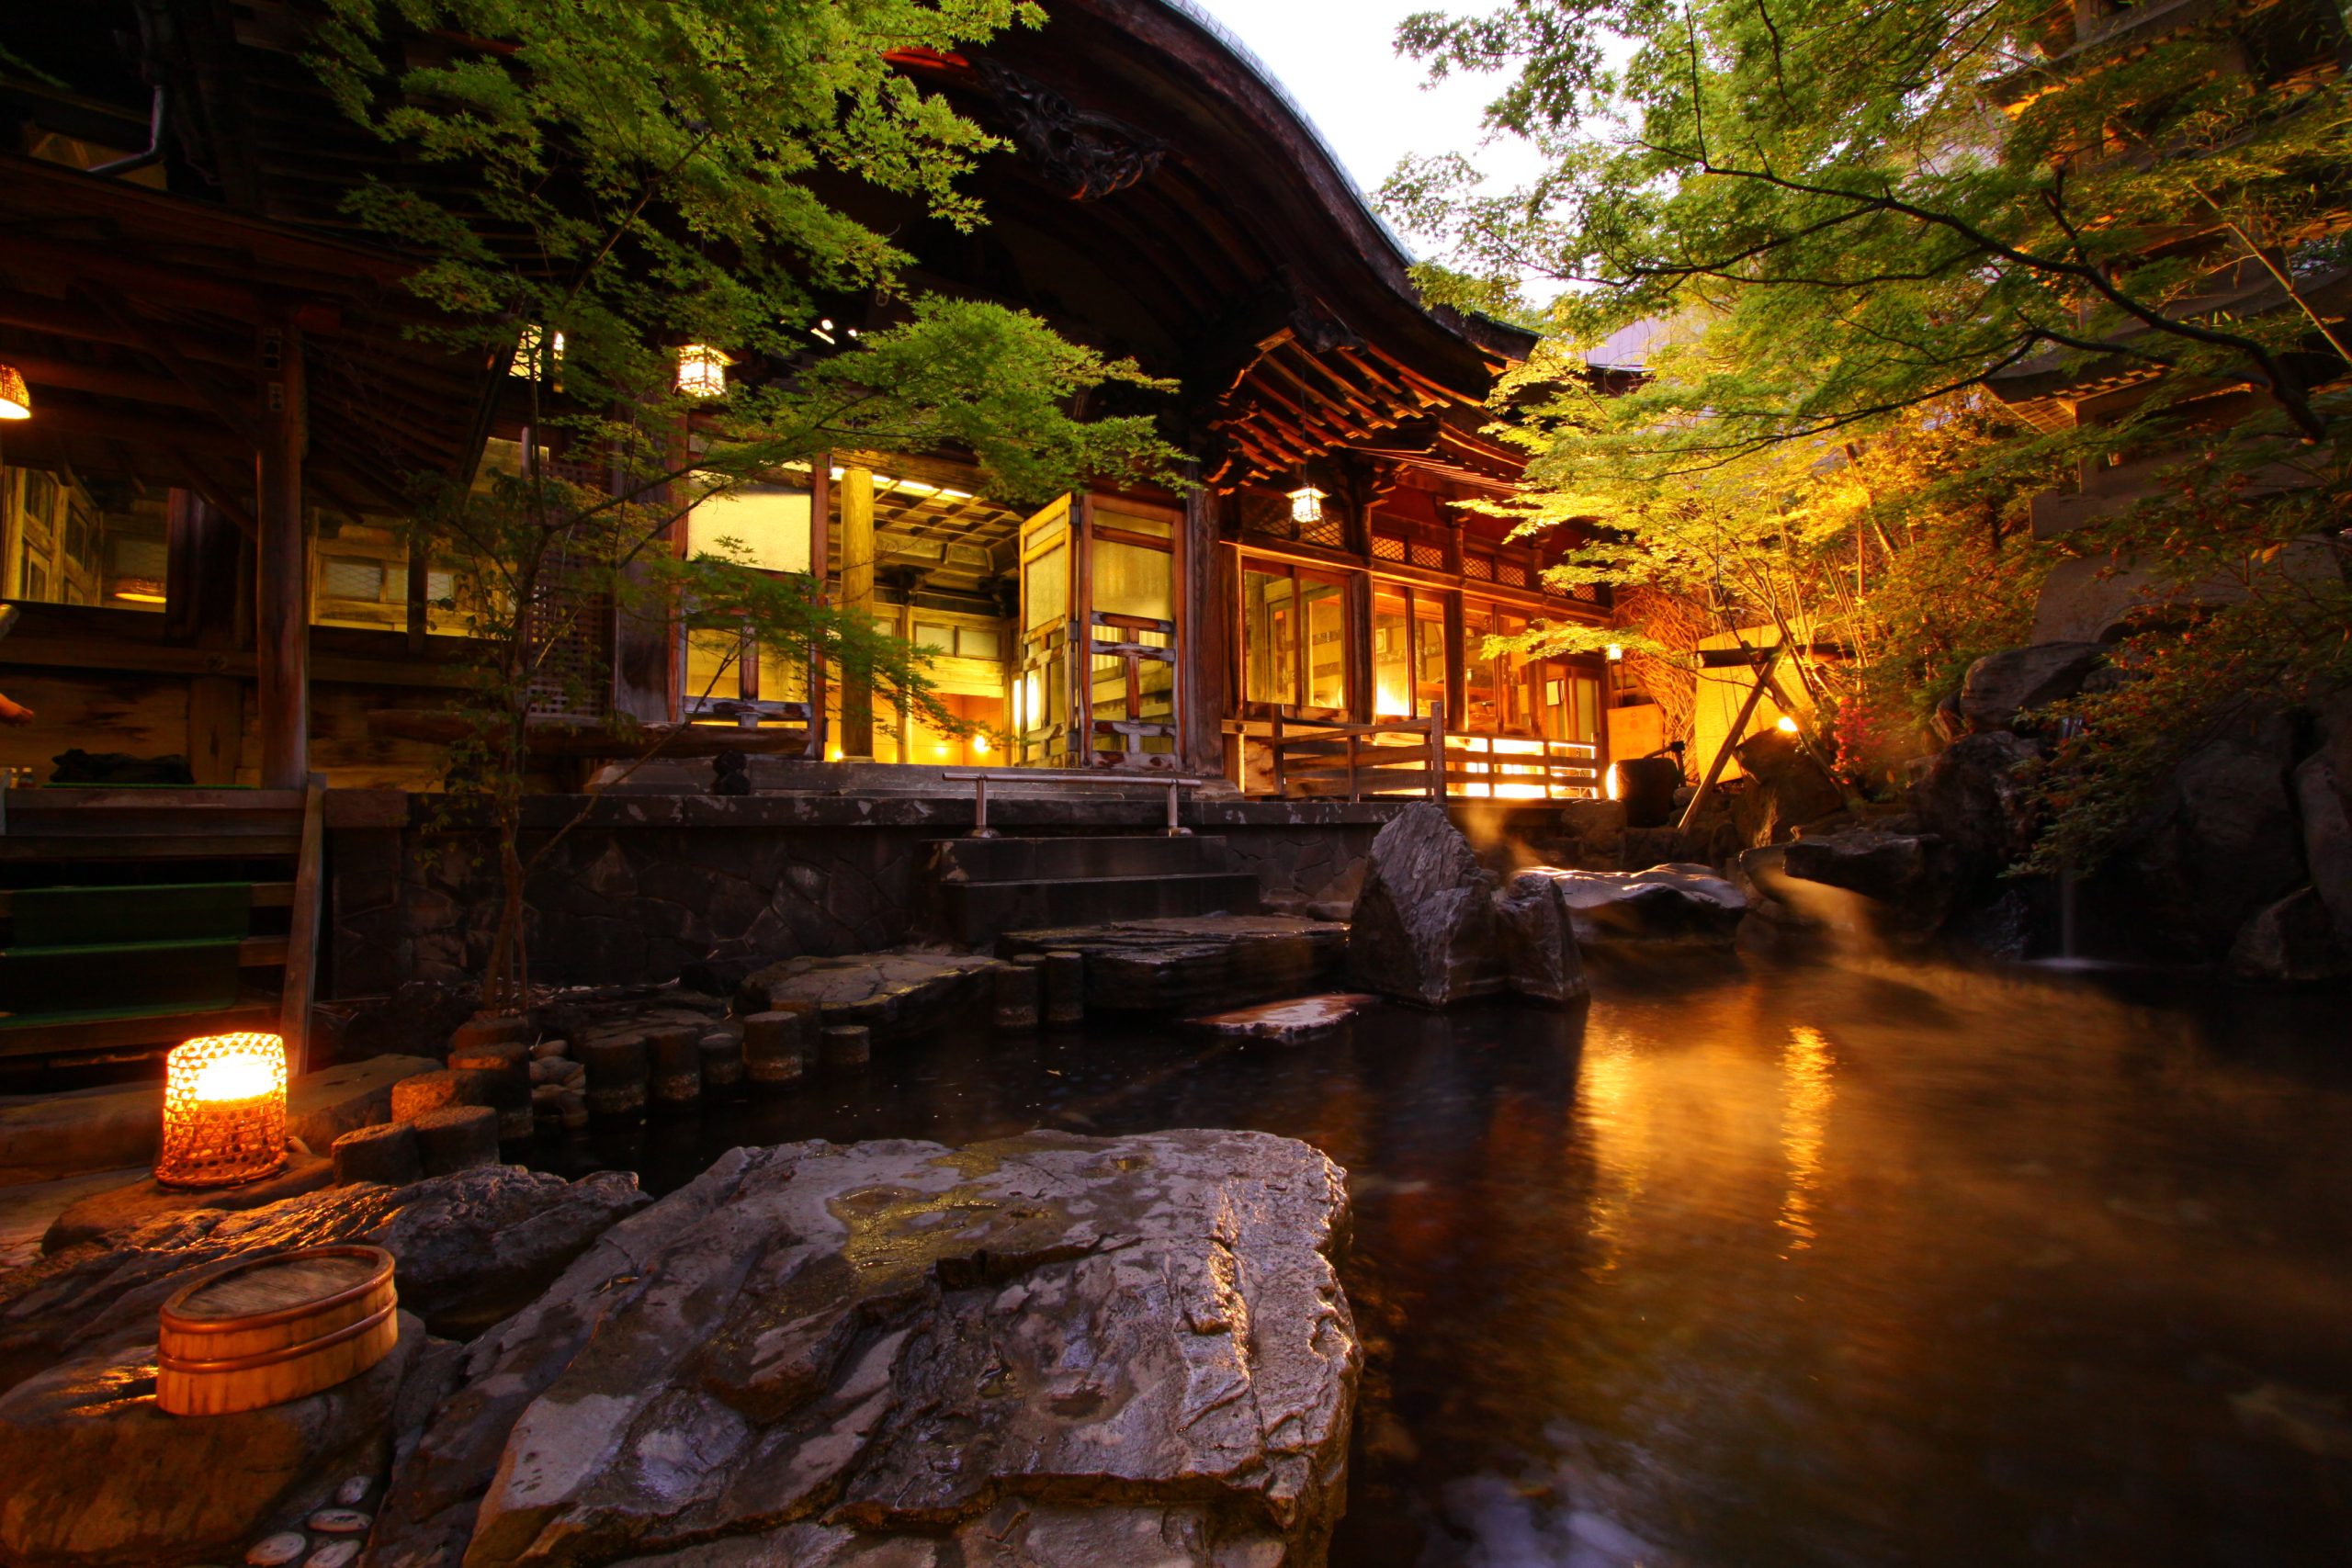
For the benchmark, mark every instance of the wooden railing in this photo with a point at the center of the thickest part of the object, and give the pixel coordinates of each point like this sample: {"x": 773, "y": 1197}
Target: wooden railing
{"x": 1402, "y": 759}
{"x": 1511, "y": 767}
{"x": 1051, "y": 779}
{"x": 1420, "y": 760}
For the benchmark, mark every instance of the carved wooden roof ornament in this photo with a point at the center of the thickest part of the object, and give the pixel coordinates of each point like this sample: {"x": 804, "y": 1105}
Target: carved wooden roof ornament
{"x": 1089, "y": 156}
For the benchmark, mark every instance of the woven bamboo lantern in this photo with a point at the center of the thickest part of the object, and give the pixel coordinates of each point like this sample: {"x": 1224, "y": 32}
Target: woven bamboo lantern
{"x": 224, "y": 1111}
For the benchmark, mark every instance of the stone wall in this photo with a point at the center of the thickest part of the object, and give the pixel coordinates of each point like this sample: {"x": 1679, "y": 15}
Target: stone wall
{"x": 647, "y": 885}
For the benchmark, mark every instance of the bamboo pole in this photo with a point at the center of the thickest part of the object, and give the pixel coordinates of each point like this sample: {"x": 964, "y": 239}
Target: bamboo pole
{"x": 1731, "y": 740}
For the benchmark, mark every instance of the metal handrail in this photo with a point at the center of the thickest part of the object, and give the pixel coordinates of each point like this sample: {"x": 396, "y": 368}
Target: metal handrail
{"x": 979, "y": 780}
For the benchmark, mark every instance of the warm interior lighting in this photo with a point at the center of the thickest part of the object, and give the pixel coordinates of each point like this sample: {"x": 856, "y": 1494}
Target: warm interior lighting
{"x": 834, "y": 753}
{"x": 1307, "y": 505}
{"x": 1614, "y": 784}
{"x": 533, "y": 357}
{"x": 702, "y": 371}
{"x": 1616, "y": 653}
{"x": 981, "y": 746}
{"x": 1787, "y": 724}
{"x": 224, "y": 1110}
{"x": 140, "y": 590}
{"x": 16, "y": 398}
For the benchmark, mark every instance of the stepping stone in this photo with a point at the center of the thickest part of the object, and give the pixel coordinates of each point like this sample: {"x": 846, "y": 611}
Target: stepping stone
{"x": 334, "y": 1554}
{"x": 1196, "y": 962}
{"x": 1303, "y": 1017}
{"x": 340, "y": 1521}
{"x": 276, "y": 1550}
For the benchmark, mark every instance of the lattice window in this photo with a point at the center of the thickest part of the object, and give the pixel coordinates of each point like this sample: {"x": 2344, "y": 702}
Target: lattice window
{"x": 1478, "y": 566}
{"x": 1587, "y": 592}
{"x": 1511, "y": 573}
{"x": 1330, "y": 533}
{"x": 1387, "y": 547}
{"x": 572, "y": 637}
{"x": 1429, "y": 556}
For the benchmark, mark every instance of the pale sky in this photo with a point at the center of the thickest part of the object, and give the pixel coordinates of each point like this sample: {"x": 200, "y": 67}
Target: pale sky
{"x": 1339, "y": 60}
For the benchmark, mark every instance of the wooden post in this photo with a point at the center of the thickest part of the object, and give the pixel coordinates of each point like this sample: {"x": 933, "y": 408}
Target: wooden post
{"x": 857, "y": 600}
{"x": 281, "y": 596}
{"x": 1282, "y": 786}
{"x": 303, "y": 938}
{"x": 1355, "y": 789}
{"x": 820, "y": 539}
{"x": 1731, "y": 740}
{"x": 1438, "y": 783}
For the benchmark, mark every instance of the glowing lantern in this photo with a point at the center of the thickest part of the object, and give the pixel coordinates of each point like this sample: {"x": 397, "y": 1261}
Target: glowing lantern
{"x": 1307, "y": 505}
{"x": 702, "y": 371}
{"x": 1787, "y": 724}
{"x": 1616, "y": 653}
{"x": 16, "y": 398}
{"x": 224, "y": 1111}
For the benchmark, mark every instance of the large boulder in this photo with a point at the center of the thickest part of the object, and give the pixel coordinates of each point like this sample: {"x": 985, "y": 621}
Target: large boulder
{"x": 2326, "y": 809}
{"x": 1540, "y": 953}
{"x": 1053, "y": 1350}
{"x": 2221, "y": 843}
{"x": 1975, "y": 796}
{"x": 1786, "y": 789}
{"x": 2000, "y": 686}
{"x": 100, "y": 1476}
{"x": 1907, "y": 877}
{"x": 479, "y": 1242}
{"x": 1425, "y": 930}
{"x": 2292, "y": 942}
{"x": 1665, "y": 904}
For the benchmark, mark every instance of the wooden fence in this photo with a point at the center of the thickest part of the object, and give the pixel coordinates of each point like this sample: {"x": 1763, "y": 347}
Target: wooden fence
{"x": 1418, "y": 759}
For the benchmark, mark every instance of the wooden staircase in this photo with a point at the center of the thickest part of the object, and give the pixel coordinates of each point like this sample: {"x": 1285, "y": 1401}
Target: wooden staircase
{"x": 133, "y": 919}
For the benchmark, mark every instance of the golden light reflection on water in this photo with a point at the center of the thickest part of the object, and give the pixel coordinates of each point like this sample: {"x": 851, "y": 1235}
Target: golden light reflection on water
{"x": 1808, "y": 1068}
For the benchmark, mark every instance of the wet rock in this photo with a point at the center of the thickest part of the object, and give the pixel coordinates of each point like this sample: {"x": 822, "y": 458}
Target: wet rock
{"x": 99, "y": 1475}
{"x": 1973, "y": 796}
{"x": 1909, "y": 877}
{"x": 2326, "y": 809}
{"x": 1302, "y": 1018}
{"x": 386, "y": 1155}
{"x": 479, "y": 1241}
{"x": 474, "y": 1247}
{"x": 334, "y": 1554}
{"x": 1425, "y": 930}
{"x": 1787, "y": 789}
{"x": 769, "y": 1366}
{"x": 274, "y": 1550}
{"x": 2000, "y": 686}
{"x": 1540, "y": 953}
{"x": 893, "y": 994}
{"x": 1192, "y": 963}
{"x": 2292, "y": 942}
{"x": 1664, "y": 904}
{"x": 2221, "y": 844}
{"x": 123, "y": 1209}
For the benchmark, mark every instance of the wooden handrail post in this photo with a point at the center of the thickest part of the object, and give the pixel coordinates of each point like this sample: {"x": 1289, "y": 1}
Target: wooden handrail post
{"x": 1176, "y": 828}
{"x": 980, "y": 828}
{"x": 1355, "y": 789}
{"x": 1439, "y": 786}
{"x": 1282, "y": 783}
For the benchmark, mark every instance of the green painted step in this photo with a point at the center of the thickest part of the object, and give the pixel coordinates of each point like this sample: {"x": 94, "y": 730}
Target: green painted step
{"x": 107, "y": 979}
{"x": 75, "y": 917}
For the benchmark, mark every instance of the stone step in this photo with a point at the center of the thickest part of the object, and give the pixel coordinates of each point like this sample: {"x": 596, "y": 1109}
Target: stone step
{"x": 976, "y": 913}
{"x": 1041, "y": 858}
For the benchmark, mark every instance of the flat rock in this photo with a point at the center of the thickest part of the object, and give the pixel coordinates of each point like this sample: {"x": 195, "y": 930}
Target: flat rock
{"x": 100, "y": 1476}
{"x": 2000, "y": 686}
{"x": 58, "y": 1134}
{"x": 1051, "y": 1351}
{"x": 1664, "y": 904}
{"x": 124, "y": 1209}
{"x": 1196, "y": 962}
{"x": 893, "y": 994}
{"x": 1541, "y": 960}
{"x": 1302, "y": 1018}
{"x": 480, "y": 1240}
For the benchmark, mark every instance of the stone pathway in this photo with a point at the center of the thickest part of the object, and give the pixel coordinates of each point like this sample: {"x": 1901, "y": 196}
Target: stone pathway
{"x": 1197, "y": 963}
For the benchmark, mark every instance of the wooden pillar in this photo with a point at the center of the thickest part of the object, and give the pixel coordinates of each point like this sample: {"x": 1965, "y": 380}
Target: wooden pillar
{"x": 857, "y": 600}
{"x": 1457, "y": 685}
{"x": 1361, "y": 695}
{"x": 282, "y": 577}
{"x": 1200, "y": 638}
{"x": 821, "y": 548}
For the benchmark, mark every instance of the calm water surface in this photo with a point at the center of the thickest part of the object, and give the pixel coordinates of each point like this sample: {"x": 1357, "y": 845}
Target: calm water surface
{"x": 1803, "y": 1267}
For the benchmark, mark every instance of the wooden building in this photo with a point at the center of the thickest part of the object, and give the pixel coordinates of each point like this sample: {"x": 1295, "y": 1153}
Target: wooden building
{"x": 195, "y": 531}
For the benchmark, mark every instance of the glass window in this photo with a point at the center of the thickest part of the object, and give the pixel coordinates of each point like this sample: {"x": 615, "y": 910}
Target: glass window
{"x": 1131, "y": 579}
{"x": 1045, "y": 589}
{"x": 783, "y": 674}
{"x": 358, "y": 575}
{"x": 935, "y": 639}
{"x": 1428, "y": 657}
{"x": 1392, "y": 655}
{"x": 1122, "y": 523}
{"x": 66, "y": 542}
{"x": 1517, "y": 705}
{"x": 977, "y": 642}
{"x": 1326, "y": 606}
{"x": 1269, "y": 638}
{"x": 766, "y": 526}
{"x": 714, "y": 666}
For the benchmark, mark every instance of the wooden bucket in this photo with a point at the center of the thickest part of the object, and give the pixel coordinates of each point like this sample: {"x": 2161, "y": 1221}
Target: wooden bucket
{"x": 273, "y": 1328}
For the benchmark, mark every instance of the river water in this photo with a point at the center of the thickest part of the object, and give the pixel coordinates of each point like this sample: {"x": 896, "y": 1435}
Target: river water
{"x": 1743, "y": 1268}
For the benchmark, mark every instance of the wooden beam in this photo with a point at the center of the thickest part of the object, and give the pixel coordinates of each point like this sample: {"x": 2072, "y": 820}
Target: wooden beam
{"x": 281, "y": 595}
